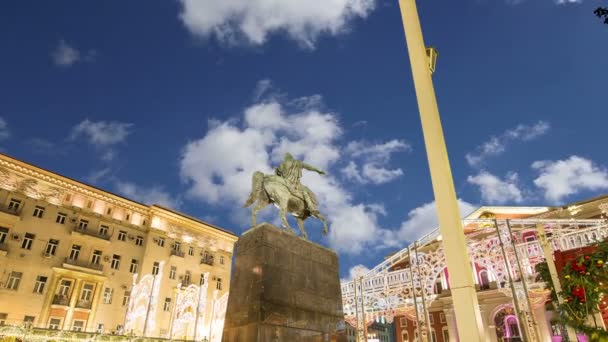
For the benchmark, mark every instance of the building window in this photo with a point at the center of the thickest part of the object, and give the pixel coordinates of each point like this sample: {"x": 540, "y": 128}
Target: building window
{"x": 87, "y": 292}
{"x": 107, "y": 295}
{"x": 218, "y": 286}
{"x": 3, "y": 318}
{"x": 222, "y": 260}
{"x": 100, "y": 328}
{"x": 190, "y": 250}
{"x": 3, "y": 234}
{"x": 122, "y": 235}
{"x": 431, "y": 318}
{"x": 177, "y": 246}
{"x": 64, "y": 288}
{"x": 27, "y": 241}
{"x": 40, "y": 282}
{"x": 109, "y": 211}
{"x": 28, "y": 321}
{"x": 83, "y": 224}
{"x": 167, "y": 305}
{"x": 187, "y": 278}
{"x": 104, "y": 230}
{"x": 202, "y": 281}
{"x": 78, "y": 325}
{"x": 403, "y": 321}
{"x": 14, "y": 205}
{"x": 441, "y": 317}
{"x": 133, "y": 268}
{"x": 160, "y": 242}
{"x": 433, "y": 336}
{"x": 446, "y": 335}
{"x": 115, "y": 262}
{"x": 128, "y": 217}
{"x": 75, "y": 252}
{"x": 14, "y": 279}
{"x": 54, "y": 323}
{"x": 155, "y": 268}
{"x": 61, "y": 218}
{"x": 172, "y": 272}
{"x": 51, "y": 247}
{"x": 125, "y": 298}
{"x": 96, "y": 259}
{"x": 89, "y": 204}
{"x": 139, "y": 241}
{"x": 38, "y": 211}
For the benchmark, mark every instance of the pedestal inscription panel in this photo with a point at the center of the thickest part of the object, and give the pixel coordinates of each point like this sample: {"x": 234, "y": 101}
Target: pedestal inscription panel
{"x": 283, "y": 288}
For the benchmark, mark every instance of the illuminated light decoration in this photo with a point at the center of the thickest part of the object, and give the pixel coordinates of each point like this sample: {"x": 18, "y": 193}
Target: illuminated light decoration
{"x": 99, "y": 207}
{"x": 217, "y": 317}
{"x": 143, "y": 303}
{"x": 187, "y": 238}
{"x": 187, "y": 319}
{"x": 156, "y": 223}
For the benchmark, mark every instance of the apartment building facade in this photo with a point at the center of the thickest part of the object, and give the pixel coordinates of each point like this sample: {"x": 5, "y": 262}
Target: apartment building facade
{"x": 74, "y": 257}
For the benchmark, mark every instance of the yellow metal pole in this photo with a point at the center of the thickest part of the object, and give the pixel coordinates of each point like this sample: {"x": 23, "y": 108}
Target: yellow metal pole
{"x": 464, "y": 296}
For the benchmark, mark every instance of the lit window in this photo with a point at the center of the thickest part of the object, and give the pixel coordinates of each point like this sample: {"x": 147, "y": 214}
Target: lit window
{"x": 115, "y": 262}
{"x": 40, "y": 283}
{"x": 14, "y": 279}
{"x": 38, "y": 211}
{"x": 27, "y": 241}
{"x": 122, "y": 235}
{"x": 107, "y": 295}
{"x": 139, "y": 241}
{"x": 61, "y": 218}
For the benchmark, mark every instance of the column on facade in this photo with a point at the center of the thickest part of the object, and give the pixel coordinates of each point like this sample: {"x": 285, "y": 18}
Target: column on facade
{"x": 489, "y": 329}
{"x": 543, "y": 323}
{"x": 73, "y": 299}
{"x": 95, "y": 304}
{"x": 451, "y": 321}
{"x": 48, "y": 300}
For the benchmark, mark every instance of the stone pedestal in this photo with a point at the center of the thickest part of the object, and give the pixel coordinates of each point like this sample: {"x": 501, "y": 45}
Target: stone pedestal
{"x": 283, "y": 288}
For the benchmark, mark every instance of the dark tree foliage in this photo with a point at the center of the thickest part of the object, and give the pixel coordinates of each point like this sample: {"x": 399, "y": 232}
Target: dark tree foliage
{"x": 602, "y": 12}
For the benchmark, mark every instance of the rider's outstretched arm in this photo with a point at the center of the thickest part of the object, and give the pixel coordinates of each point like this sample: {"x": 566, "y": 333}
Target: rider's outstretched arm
{"x": 312, "y": 168}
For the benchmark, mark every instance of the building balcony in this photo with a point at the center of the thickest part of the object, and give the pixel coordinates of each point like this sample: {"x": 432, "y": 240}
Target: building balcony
{"x": 177, "y": 253}
{"x": 207, "y": 261}
{"x": 86, "y": 232}
{"x": 84, "y": 304}
{"x": 61, "y": 300}
{"x": 82, "y": 265}
{"x": 3, "y": 249}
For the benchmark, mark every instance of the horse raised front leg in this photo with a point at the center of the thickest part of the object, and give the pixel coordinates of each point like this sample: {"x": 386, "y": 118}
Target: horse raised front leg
{"x": 301, "y": 225}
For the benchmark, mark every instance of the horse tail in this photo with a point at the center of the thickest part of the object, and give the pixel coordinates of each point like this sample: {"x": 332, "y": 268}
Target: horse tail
{"x": 256, "y": 188}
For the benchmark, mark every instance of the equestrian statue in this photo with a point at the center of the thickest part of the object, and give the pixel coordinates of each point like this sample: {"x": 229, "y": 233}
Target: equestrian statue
{"x": 286, "y": 192}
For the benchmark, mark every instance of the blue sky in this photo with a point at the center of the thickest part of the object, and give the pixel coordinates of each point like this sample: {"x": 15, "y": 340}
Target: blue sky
{"x": 178, "y": 102}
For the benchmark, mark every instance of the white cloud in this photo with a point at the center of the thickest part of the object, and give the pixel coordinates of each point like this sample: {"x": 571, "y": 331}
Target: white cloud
{"x": 498, "y": 144}
{"x": 4, "y": 131}
{"x": 355, "y": 271}
{"x": 374, "y": 158}
{"x": 148, "y": 195}
{"x": 495, "y": 190}
{"x": 561, "y": 178}
{"x": 102, "y": 133}
{"x": 254, "y": 20}
{"x": 421, "y": 221}
{"x": 65, "y": 55}
{"x": 218, "y": 166}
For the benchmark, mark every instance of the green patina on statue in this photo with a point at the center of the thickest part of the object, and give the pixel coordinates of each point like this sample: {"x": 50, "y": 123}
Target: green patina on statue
{"x": 284, "y": 190}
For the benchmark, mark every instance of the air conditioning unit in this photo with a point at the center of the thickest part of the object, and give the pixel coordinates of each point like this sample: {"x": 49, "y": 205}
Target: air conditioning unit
{"x": 155, "y": 240}
{"x": 16, "y": 237}
{"x": 73, "y": 220}
{"x": 106, "y": 258}
{"x": 214, "y": 278}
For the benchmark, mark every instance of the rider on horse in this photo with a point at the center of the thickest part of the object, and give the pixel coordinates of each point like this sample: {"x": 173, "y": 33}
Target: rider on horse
{"x": 291, "y": 171}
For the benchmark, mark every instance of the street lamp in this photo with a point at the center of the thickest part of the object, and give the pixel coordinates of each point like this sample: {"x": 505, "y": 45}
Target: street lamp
{"x": 464, "y": 296}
